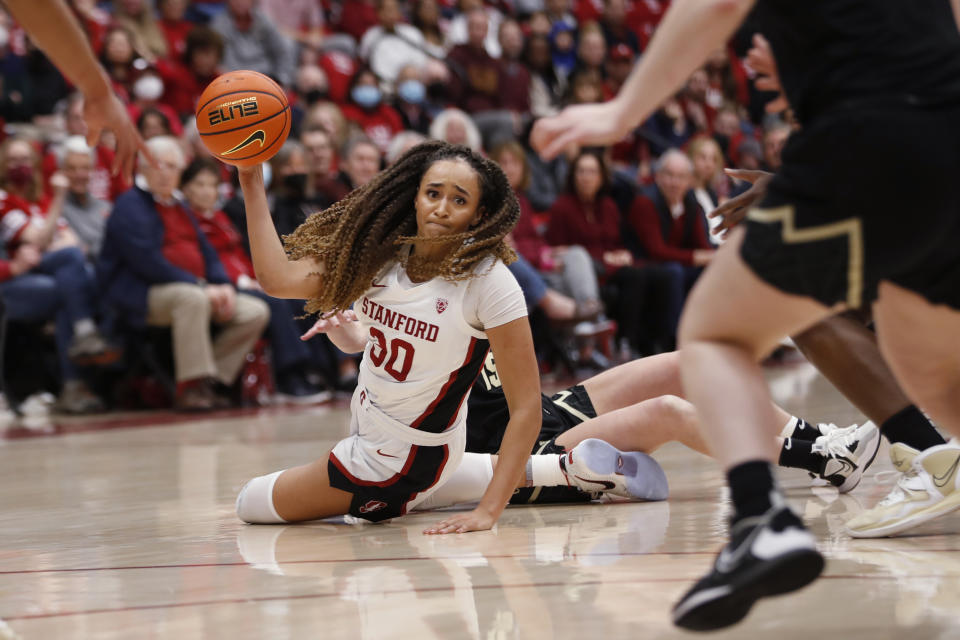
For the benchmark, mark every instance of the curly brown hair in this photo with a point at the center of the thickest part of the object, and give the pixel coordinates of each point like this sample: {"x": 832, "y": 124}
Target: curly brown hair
{"x": 358, "y": 236}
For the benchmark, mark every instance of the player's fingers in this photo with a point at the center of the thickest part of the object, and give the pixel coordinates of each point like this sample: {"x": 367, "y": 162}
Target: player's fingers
{"x": 777, "y": 105}
{"x": 747, "y": 175}
{"x": 93, "y": 137}
{"x": 559, "y": 143}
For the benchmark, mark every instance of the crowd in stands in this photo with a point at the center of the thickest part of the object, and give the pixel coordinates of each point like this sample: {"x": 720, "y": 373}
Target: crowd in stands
{"x": 610, "y": 240}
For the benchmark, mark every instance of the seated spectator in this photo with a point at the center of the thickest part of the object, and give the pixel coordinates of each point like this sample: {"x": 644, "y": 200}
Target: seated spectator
{"x": 586, "y": 86}
{"x": 153, "y": 123}
{"x": 85, "y": 213}
{"x": 367, "y": 109}
{"x": 668, "y": 127}
{"x": 459, "y": 30}
{"x": 121, "y": 60}
{"x": 361, "y": 162}
{"x": 410, "y": 97}
{"x": 146, "y": 93}
{"x": 614, "y": 25}
{"x": 585, "y": 215}
{"x": 93, "y": 19}
{"x": 186, "y": 77}
{"x": 299, "y": 20}
{"x": 668, "y": 227}
{"x": 563, "y": 49}
{"x": 290, "y": 205}
{"x": 573, "y": 292}
{"x": 174, "y": 26}
{"x": 31, "y": 85}
{"x": 311, "y": 87}
{"x": 322, "y": 166}
{"x": 773, "y": 140}
{"x": 137, "y": 17}
{"x": 403, "y": 142}
{"x": 328, "y": 115}
{"x": 711, "y": 186}
{"x": 546, "y": 85}
{"x": 391, "y": 45}
{"x": 559, "y": 11}
{"x": 252, "y": 41}
{"x": 158, "y": 269}
{"x": 355, "y": 18}
{"x": 592, "y": 49}
{"x": 104, "y": 184}
{"x": 46, "y": 277}
{"x": 617, "y": 69}
{"x": 291, "y": 357}
{"x": 426, "y": 17}
{"x": 514, "y": 76}
{"x": 456, "y": 127}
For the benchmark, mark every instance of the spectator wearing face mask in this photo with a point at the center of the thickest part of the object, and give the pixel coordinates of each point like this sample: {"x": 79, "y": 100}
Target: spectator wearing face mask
{"x": 378, "y": 120}
{"x": 312, "y": 87}
{"x": 410, "y": 95}
{"x": 391, "y": 45}
{"x": 147, "y": 92}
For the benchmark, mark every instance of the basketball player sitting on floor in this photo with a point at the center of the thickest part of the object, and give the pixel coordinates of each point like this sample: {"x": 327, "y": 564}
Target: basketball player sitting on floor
{"x": 635, "y": 407}
{"x": 420, "y": 251}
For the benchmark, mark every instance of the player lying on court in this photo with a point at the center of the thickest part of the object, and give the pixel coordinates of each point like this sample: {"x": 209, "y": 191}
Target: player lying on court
{"x": 420, "y": 251}
{"x": 635, "y": 407}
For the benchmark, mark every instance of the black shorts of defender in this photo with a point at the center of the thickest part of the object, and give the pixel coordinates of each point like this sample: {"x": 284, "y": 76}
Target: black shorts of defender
{"x": 866, "y": 193}
{"x": 376, "y": 501}
{"x": 561, "y": 412}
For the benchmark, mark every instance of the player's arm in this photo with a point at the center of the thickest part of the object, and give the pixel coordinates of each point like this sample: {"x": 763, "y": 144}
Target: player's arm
{"x": 955, "y": 5}
{"x": 279, "y": 276}
{"x": 512, "y": 346}
{"x": 690, "y": 31}
{"x": 53, "y": 28}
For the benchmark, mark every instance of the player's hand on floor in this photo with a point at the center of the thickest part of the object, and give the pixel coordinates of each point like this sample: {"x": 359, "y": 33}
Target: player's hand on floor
{"x": 477, "y": 520}
{"x": 734, "y": 210}
{"x": 329, "y": 323}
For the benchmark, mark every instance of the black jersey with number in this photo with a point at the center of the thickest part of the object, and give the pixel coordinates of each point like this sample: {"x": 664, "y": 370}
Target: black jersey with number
{"x": 487, "y": 411}
{"x": 830, "y": 52}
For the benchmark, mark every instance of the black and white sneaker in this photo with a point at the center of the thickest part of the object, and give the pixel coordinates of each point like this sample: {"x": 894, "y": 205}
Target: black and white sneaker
{"x": 767, "y": 555}
{"x": 847, "y": 453}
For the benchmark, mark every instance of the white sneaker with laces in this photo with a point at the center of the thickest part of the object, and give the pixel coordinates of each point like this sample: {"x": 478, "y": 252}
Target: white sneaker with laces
{"x": 929, "y": 487}
{"x": 595, "y": 465}
{"x": 847, "y": 452}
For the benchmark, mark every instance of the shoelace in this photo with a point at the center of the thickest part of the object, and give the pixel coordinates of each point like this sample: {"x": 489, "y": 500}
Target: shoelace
{"x": 837, "y": 442}
{"x": 898, "y": 493}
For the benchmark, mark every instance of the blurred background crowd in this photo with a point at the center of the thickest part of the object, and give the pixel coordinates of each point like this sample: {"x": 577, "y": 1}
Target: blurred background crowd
{"x": 131, "y": 295}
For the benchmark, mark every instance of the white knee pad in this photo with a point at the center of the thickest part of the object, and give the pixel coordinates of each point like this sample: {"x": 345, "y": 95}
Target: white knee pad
{"x": 255, "y": 502}
{"x": 467, "y": 484}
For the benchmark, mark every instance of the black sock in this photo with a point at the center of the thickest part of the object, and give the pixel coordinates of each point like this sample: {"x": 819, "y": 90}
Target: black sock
{"x": 798, "y": 454}
{"x": 805, "y": 431}
{"x": 750, "y": 487}
{"x": 912, "y": 428}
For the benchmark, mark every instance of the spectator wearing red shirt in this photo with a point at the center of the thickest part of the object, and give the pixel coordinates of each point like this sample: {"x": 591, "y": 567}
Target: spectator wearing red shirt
{"x": 291, "y": 357}
{"x": 668, "y": 228}
{"x": 146, "y": 93}
{"x": 353, "y": 17}
{"x": 585, "y": 215}
{"x": 185, "y": 78}
{"x": 174, "y": 27}
{"x": 120, "y": 59}
{"x": 47, "y": 277}
{"x": 157, "y": 268}
{"x": 378, "y": 120}
{"x": 514, "y": 75}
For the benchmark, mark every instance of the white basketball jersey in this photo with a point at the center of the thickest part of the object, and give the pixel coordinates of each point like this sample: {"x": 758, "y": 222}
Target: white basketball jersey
{"x": 422, "y": 356}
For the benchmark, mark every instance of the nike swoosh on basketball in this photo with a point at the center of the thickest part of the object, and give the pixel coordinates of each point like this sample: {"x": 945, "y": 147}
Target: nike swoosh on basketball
{"x": 386, "y": 455}
{"x": 941, "y": 481}
{"x": 256, "y": 136}
{"x": 606, "y": 484}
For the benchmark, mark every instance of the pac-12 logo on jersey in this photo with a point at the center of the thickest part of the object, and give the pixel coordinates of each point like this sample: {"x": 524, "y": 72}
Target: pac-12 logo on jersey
{"x": 442, "y": 305}
{"x": 372, "y": 505}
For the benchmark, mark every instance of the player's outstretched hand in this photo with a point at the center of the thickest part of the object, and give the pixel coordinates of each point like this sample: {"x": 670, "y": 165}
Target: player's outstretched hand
{"x": 585, "y": 124}
{"x": 477, "y": 520}
{"x": 760, "y": 59}
{"x": 329, "y": 323}
{"x": 107, "y": 112}
{"x": 734, "y": 210}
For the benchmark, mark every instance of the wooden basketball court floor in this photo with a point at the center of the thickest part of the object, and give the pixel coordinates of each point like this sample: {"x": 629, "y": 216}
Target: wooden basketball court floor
{"x": 123, "y": 527}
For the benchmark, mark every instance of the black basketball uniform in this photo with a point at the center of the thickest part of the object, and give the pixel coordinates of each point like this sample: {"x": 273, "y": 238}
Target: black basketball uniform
{"x": 488, "y": 414}
{"x": 868, "y": 190}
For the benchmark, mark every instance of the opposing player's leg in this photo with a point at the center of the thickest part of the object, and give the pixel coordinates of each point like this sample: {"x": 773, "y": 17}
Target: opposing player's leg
{"x": 912, "y": 334}
{"x": 732, "y": 320}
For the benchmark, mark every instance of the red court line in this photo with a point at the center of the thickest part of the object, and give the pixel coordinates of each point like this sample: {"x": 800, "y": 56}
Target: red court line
{"x": 325, "y": 595}
{"x": 505, "y": 556}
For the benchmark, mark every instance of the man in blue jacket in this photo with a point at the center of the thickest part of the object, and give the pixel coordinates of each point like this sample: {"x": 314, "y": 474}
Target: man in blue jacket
{"x": 157, "y": 269}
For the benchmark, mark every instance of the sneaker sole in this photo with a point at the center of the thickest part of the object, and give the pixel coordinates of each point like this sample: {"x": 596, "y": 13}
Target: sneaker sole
{"x": 849, "y": 486}
{"x": 643, "y": 476}
{"x": 790, "y": 572}
{"x": 947, "y": 505}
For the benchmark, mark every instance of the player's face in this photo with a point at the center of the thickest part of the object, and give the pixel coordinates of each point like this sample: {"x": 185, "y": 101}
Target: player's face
{"x": 448, "y": 199}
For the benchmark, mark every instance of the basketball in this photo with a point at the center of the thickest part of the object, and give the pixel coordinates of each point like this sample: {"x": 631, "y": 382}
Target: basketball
{"x": 243, "y": 118}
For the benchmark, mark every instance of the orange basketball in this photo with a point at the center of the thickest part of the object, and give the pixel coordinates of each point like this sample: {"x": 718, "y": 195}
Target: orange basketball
{"x": 243, "y": 118}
